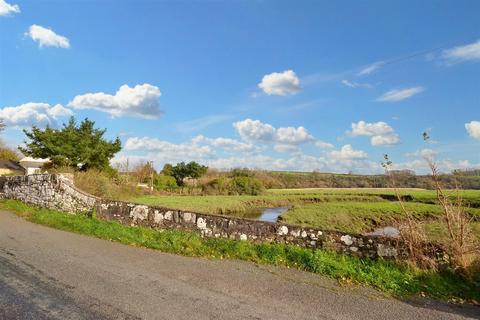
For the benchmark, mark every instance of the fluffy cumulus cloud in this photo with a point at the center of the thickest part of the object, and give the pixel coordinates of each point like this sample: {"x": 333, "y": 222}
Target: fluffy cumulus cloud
{"x": 255, "y": 130}
{"x": 227, "y": 144}
{"x": 292, "y": 135}
{"x": 33, "y": 113}
{"x": 400, "y": 94}
{"x": 168, "y": 151}
{"x": 387, "y": 140}
{"x": 285, "y": 139}
{"x": 140, "y": 101}
{"x": 469, "y": 52}
{"x": 473, "y": 129}
{"x": 380, "y": 132}
{"x": 7, "y": 8}
{"x": 47, "y": 37}
{"x": 347, "y": 153}
{"x": 280, "y": 83}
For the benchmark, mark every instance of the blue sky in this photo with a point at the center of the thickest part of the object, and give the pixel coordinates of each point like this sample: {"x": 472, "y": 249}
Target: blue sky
{"x": 283, "y": 85}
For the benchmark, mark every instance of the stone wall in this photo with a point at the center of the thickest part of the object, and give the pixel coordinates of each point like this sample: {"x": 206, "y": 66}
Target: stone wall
{"x": 48, "y": 191}
{"x": 246, "y": 229}
{"x": 58, "y": 192}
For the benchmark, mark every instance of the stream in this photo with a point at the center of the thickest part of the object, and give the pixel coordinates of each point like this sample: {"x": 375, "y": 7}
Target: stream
{"x": 266, "y": 214}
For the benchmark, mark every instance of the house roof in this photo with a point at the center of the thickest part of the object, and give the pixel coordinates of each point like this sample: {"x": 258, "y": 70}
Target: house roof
{"x": 10, "y": 164}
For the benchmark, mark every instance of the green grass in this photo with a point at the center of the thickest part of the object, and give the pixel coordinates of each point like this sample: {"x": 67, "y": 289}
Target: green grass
{"x": 437, "y": 231}
{"x": 358, "y": 217}
{"x": 394, "y": 278}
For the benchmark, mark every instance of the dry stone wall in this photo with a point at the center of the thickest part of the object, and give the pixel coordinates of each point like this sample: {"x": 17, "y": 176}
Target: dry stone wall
{"x": 58, "y": 192}
{"x": 216, "y": 226}
{"x": 48, "y": 191}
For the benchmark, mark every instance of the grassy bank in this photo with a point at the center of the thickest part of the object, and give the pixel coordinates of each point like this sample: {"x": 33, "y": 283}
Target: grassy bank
{"x": 397, "y": 279}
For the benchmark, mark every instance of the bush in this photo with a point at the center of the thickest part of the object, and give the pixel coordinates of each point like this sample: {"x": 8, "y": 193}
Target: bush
{"x": 163, "y": 182}
{"x": 233, "y": 186}
{"x": 242, "y": 172}
{"x": 247, "y": 185}
{"x": 105, "y": 184}
{"x": 220, "y": 185}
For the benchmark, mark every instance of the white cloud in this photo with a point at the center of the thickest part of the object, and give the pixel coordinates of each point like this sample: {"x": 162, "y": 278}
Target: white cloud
{"x": 167, "y": 150}
{"x": 280, "y": 83}
{"x": 424, "y": 153}
{"x": 473, "y": 129}
{"x": 353, "y": 84}
{"x": 363, "y": 128}
{"x": 226, "y": 144}
{"x": 399, "y": 95}
{"x": 255, "y": 130}
{"x": 140, "y": 101}
{"x": 370, "y": 68}
{"x": 33, "y": 113}
{"x": 347, "y": 153}
{"x": 289, "y": 148}
{"x": 467, "y": 52}
{"x": 291, "y": 135}
{"x": 380, "y": 132}
{"x": 385, "y": 140}
{"x": 323, "y": 145}
{"x": 47, "y": 37}
{"x": 420, "y": 166}
{"x": 6, "y": 8}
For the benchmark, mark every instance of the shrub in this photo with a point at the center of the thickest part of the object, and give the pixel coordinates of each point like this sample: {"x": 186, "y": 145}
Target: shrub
{"x": 220, "y": 185}
{"x": 247, "y": 185}
{"x": 242, "y": 172}
{"x": 164, "y": 182}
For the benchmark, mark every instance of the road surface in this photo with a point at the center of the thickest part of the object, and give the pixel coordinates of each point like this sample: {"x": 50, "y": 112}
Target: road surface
{"x": 51, "y": 274}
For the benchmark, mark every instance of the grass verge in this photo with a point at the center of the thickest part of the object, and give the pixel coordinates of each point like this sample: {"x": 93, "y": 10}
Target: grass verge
{"x": 396, "y": 279}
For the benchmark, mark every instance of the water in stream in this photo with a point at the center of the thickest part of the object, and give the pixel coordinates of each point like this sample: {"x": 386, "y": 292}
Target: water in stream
{"x": 265, "y": 214}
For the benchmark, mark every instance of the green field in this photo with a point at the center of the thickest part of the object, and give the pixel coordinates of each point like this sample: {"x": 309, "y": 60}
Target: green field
{"x": 348, "y": 210}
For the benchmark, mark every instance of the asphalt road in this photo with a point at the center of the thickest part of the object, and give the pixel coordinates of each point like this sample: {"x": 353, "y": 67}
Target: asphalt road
{"x": 51, "y": 274}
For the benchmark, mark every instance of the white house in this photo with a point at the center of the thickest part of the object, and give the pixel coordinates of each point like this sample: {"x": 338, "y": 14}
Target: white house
{"x": 33, "y": 165}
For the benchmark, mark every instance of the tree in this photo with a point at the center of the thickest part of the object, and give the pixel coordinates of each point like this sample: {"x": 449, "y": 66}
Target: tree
{"x": 144, "y": 172}
{"x": 80, "y": 146}
{"x": 167, "y": 170}
{"x": 190, "y": 170}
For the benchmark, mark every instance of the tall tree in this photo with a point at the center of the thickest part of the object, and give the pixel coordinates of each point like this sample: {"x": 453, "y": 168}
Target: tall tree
{"x": 189, "y": 170}
{"x": 77, "y": 145}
